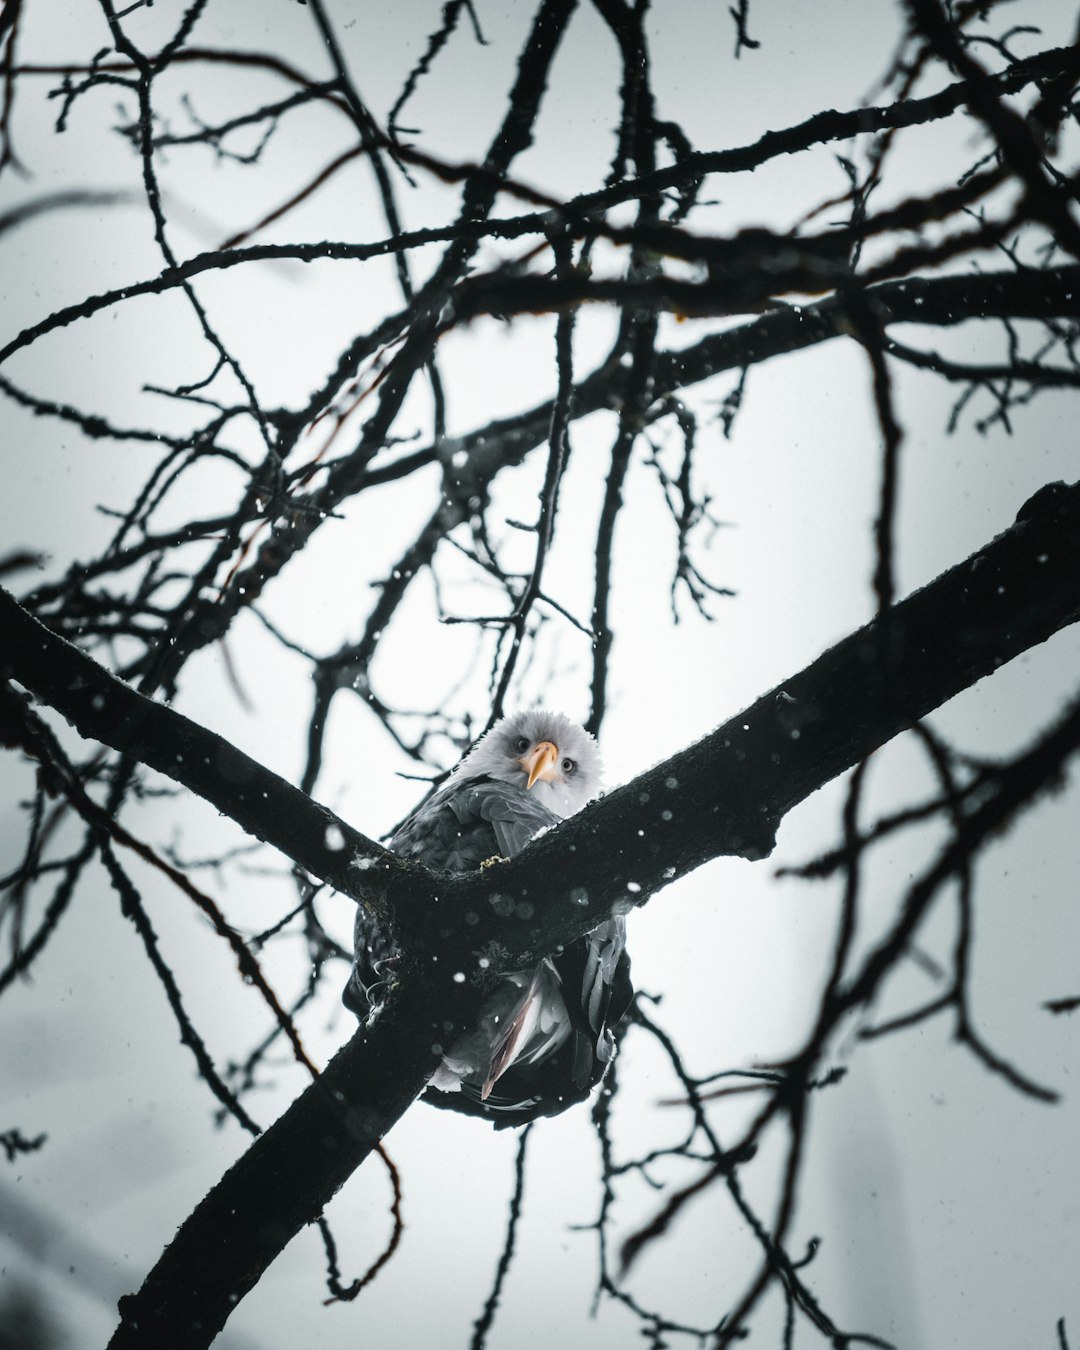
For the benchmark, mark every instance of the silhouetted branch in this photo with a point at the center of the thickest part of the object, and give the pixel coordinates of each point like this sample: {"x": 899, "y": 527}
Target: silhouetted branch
{"x": 747, "y": 775}
{"x": 852, "y": 261}
{"x": 487, "y": 1317}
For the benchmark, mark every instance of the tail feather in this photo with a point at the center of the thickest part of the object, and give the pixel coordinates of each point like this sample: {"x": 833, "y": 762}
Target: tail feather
{"x": 517, "y": 1033}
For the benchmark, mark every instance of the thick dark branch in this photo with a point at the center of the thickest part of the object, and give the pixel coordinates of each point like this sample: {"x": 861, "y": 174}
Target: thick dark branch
{"x": 103, "y": 708}
{"x": 727, "y": 794}
{"x": 745, "y": 289}
{"x": 724, "y": 795}
{"x": 223, "y": 1249}
{"x": 1013, "y": 594}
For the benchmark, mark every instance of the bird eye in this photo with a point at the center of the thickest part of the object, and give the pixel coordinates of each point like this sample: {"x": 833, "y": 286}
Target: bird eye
{"x": 521, "y": 744}
{"x": 568, "y": 766}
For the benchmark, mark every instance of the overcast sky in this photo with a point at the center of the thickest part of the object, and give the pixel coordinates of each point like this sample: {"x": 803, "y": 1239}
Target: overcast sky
{"x": 947, "y": 1204}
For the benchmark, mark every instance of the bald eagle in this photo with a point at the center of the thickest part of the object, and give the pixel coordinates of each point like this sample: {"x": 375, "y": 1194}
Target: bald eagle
{"x": 545, "y": 1036}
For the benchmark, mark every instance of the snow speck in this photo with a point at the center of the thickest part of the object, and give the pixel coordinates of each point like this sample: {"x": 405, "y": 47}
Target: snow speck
{"x": 334, "y": 839}
{"x": 459, "y": 977}
{"x": 633, "y": 887}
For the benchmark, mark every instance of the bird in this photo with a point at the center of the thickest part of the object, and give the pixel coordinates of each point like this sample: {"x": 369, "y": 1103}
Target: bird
{"x": 545, "y": 1036}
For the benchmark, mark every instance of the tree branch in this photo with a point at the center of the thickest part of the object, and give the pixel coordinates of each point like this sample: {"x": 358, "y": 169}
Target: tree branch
{"x": 103, "y": 708}
{"x": 724, "y": 795}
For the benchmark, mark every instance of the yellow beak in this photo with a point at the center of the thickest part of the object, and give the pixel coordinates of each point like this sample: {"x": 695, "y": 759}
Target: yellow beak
{"x": 540, "y": 762}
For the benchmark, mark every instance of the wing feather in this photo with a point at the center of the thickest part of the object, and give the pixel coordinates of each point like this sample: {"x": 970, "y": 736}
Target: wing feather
{"x": 464, "y": 824}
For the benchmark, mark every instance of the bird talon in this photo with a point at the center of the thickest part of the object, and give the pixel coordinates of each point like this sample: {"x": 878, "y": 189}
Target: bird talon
{"x": 490, "y": 862}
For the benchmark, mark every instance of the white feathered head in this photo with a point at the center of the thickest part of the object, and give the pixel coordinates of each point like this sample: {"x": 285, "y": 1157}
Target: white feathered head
{"x": 545, "y": 752}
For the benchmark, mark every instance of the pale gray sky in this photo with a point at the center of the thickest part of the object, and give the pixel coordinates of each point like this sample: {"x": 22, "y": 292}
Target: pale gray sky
{"x": 947, "y": 1204}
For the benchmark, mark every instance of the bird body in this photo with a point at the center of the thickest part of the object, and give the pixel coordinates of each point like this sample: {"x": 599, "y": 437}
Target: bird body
{"x": 545, "y": 1036}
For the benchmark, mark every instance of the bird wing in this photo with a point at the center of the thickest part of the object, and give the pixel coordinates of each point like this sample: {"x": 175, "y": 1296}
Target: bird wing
{"x": 537, "y": 1028}
{"x": 564, "y": 1035}
{"x": 464, "y": 824}
{"x": 456, "y": 830}
{"x": 596, "y": 977}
